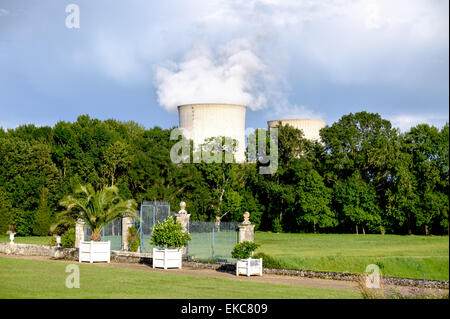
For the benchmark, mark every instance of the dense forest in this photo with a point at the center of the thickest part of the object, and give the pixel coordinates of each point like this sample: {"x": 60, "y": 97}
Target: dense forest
{"x": 364, "y": 177}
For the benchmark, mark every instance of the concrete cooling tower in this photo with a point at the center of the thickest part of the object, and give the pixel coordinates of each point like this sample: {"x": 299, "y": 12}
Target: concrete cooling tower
{"x": 310, "y": 127}
{"x": 202, "y": 121}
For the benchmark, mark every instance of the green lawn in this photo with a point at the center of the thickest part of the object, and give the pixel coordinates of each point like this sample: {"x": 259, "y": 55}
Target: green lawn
{"x": 398, "y": 256}
{"x": 38, "y": 240}
{"x": 20, "y": 278}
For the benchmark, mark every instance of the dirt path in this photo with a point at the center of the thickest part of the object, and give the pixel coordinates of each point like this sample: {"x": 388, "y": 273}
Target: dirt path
{"x": 191, "y": 271}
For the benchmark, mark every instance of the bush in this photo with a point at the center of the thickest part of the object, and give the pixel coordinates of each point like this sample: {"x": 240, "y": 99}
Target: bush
{"x": 169, "y": 234}
{"x": 276, "y": 226}
{"x": 41, "y": 226}
{"x": 22, "y": 221}
{"x": 52, "y": 241}
{"x": 68, "y": 238}
{"x": 5, "y": 207}
{"x": 270, "y": 261}
{"x": 244, "y": 250}
{"x": 134, "y": 243}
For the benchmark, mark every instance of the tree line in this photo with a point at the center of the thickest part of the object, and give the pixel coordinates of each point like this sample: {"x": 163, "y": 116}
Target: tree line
{"x": 364, "y": 176}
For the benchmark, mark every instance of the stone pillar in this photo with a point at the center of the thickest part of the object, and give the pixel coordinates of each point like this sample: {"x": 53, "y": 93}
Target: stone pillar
{"x": 127, "y": 222}
{"x": 183, "y": 218}
{"x": 79, "y": 232}
{"x": 246, "y": 229}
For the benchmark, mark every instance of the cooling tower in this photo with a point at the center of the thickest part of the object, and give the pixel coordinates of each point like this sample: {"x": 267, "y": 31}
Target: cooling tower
{"x": 310, "y": 127}
{"x": 203, "y": 121}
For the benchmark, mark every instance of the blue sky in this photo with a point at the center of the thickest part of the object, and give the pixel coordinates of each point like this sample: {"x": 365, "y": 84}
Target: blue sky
{"x": 136, "y": 60}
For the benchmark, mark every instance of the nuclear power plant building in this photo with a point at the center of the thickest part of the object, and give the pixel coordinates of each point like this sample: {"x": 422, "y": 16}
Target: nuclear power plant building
{"x": 202, "y": 121}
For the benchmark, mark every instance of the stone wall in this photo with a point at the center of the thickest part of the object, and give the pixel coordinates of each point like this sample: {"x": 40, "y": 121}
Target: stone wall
{"x": 39, "y": 250}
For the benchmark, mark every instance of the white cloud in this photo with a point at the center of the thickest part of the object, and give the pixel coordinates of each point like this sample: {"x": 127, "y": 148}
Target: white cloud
{"x": 351, "y": 41}
{"x": 405, "y": 121}
{"x": 3, "y": 12}
{"x": 231, "y": 74}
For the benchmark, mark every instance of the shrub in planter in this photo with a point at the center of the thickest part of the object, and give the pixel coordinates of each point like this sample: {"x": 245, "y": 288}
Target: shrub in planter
{"x": 97, "y": 209}
{"x": 244, "y": 250}
{"x": 169, "y": 234}
{"x": 245, "y": 265}
{"x": 168, "y": 237}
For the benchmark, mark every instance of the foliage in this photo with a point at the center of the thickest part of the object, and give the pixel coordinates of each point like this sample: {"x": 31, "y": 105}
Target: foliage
{"x": 132, "y": 239}
{"x": 244, "y": 250}
{"x": 41, "y": 226}
{"x": 364, "y": 174}
{"x": 22, "y": 221}
{"x": 358, "y": 203}
{"x": 68, "y": 238}
{"x": 5, "y": 208}
{"x": 96, "y": 209}
{"x": 169, "y": 234}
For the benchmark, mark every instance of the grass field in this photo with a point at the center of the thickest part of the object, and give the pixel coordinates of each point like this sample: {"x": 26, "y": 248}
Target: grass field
{"x": 20, "y": 278}
{"x": 38, "y": 240}
{"x": 398, "y": 256}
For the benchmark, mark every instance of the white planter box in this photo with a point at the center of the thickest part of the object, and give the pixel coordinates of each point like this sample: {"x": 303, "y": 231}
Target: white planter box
{"x": 249, "y": 267}
{"x": 167, "y": 258}
{"x": 93, "y": 251}
{"x": 11, "y": 238}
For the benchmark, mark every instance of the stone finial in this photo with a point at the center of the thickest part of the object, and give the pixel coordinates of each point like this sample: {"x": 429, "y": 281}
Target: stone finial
{"x": 246, "y": 218}
{"x": 183, "y": 218}
{"x": 182, "y": 208}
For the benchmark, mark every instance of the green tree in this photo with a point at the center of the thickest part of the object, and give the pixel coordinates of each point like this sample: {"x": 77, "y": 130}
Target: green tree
{"x": 313, "y": 202}
{"x": 116, "y": 159}
{"x": 427, "y": 150}
{"x": 42, "y": 218}
{"x": 359, "y": 143}
{"x": 357, "y": 202}
{"x": 5, "y": 208}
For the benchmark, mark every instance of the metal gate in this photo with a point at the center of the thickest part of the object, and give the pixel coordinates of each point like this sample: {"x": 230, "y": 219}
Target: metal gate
{"x": 151, "y": 213}
{"x": 212, "y": 241}
{"x": 112, "y": 232}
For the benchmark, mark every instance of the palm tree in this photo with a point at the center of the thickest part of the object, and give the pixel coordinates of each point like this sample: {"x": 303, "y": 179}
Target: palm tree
{"x": 96, "y": 209}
